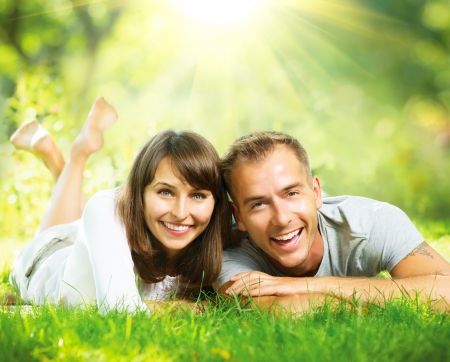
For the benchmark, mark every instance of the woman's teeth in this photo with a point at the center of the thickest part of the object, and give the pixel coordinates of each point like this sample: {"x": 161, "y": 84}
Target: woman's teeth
{"x": 287, "y": 236}
{"x": 176, "y": 227}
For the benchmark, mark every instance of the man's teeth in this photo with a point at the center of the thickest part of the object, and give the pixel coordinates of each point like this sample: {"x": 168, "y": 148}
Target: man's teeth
{"x": 176, "y": 227}
{"x": 287, "y": 236}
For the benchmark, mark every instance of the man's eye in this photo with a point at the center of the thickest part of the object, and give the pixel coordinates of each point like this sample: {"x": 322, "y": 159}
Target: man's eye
{"x": 292, "y": 193}
{"x": 257, "y": 205}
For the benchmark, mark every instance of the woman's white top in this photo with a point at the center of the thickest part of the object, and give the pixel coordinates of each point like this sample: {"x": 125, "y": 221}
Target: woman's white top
{"x": 97, "y": 267}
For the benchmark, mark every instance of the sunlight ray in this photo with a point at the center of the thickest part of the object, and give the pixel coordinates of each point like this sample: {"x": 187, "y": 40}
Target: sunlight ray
{"x": 320, "y": 41}
{"x": 343, "y": 7}
{"x": 350, "y": 17}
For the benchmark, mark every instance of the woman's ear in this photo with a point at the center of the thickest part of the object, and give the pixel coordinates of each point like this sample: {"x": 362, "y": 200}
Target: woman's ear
{"x": 237, "y": 217}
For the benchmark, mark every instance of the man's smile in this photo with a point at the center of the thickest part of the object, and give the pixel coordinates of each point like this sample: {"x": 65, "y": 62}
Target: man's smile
{"x": 288, "y": 240}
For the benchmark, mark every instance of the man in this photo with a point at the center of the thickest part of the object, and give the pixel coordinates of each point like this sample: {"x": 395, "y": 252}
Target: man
{"x": 302, "y": 249}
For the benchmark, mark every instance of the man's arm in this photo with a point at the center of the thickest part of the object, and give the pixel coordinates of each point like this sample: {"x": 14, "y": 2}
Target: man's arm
{"x": 423, "y": 273}
{"x": 296, "y": 303}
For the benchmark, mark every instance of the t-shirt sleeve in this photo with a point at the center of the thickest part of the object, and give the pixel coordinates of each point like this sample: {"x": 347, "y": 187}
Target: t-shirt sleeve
{"x": 243, "y": 258}
{"x": 394, "y": 233}
{"x": 234, "y": 263}
{"x": 110, "y": 255}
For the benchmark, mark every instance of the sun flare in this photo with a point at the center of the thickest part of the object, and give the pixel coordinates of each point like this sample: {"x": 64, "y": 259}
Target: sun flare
{"x": 219, "y": 12}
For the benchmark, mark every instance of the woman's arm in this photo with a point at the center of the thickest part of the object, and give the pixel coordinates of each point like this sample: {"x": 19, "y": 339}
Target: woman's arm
{"x": 109, "y": 253}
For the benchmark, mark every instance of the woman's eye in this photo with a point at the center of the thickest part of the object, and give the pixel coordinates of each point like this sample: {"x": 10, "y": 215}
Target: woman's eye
{"x": 198, "y": 196}
{"x": 165, "y": 193}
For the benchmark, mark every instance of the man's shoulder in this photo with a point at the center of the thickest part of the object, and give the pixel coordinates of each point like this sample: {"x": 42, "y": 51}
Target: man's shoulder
{"x": 339, "y": 207}
{"x": 379, "y": 233}
{"x": 358, "y": 213}
{"x": 349, "y": 201}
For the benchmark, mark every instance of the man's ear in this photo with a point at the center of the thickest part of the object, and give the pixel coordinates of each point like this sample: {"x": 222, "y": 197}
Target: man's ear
{"x": 317, "y": 192}
{"x": 237, "y": 217}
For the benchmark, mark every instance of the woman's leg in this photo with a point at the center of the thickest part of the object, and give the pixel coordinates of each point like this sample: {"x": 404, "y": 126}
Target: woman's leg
{"x": 66, "y": 203}
{"x": 67, "y": 200}
{"x": 34, "y": 138}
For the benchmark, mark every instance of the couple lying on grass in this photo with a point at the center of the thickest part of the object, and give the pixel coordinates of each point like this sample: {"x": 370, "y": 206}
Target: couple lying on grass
{"x": 167, "y": 231}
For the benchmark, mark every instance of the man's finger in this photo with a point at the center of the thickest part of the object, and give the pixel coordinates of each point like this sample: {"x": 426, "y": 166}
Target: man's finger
{"x": 249, "y": 274}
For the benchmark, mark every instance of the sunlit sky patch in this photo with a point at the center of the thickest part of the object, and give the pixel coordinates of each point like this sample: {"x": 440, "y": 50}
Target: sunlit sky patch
{"x": 219, "y": 12}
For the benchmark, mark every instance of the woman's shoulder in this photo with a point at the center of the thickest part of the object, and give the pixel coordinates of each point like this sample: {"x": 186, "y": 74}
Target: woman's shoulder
{"x": 108, "y": 194}
{"x": 102, "y": 198}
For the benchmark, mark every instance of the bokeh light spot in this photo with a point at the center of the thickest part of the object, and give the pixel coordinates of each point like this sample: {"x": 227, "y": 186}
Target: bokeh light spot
{"x": 12, "y": 199}
{"x": 58, "y": 126}
{"x": 97, "y": 10}
{"x": 385, "y": 128}
{"x": 437, "y": 15}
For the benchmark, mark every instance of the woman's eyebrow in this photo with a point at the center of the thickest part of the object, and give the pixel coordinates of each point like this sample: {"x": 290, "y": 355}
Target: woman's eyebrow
{"x": 197, "y": 188}
{"x": 162, "y": 183}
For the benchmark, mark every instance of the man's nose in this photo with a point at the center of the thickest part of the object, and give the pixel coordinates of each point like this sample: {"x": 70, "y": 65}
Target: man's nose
{"x": 281, "y": 214}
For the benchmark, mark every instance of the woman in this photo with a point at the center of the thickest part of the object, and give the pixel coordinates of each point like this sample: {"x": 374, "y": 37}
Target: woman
{"x": 159, "y": 235}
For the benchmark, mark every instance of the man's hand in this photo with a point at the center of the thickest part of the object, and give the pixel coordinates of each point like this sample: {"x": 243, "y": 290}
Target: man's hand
{"x": 274, "y": 293}
{"x": 255, "y": 283}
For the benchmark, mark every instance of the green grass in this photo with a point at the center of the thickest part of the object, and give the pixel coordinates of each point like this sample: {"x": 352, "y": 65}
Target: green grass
{"x": 401, "y": 330}
{"x": 397, "y": 332}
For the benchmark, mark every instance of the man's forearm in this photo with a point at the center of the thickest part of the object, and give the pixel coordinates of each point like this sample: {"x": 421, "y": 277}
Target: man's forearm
{"x": 431, "y": 288}
{"x": 434, "y": 289}
{"x": 298, "y": 303}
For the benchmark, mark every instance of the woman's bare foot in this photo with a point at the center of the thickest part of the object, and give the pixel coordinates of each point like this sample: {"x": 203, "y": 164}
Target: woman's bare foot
{"x": 31, "y": 137}
{"x": 100, "y": 118}
{"x": 34, "y": 138}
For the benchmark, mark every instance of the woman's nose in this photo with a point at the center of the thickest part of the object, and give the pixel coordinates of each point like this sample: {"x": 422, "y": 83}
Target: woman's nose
{"x": 180, "y": 210}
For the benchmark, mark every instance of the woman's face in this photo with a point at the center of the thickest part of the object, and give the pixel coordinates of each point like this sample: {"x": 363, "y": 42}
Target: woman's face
{"x": 175, "y": 212}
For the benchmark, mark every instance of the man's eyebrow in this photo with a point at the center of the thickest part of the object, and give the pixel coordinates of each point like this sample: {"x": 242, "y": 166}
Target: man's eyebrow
{"x": 262, "y": 197}
{"x": 294, "y": 185}
{"x": 252, "y": 198}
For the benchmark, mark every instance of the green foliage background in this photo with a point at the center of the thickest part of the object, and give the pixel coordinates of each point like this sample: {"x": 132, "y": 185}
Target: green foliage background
{"x": 364, "y": 85}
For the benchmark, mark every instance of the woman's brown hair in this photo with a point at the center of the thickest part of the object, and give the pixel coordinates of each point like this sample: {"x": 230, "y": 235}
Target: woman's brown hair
{"x": 197, "y": 163}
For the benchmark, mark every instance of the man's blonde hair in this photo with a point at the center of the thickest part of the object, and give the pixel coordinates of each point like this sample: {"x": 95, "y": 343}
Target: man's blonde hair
{"x": 255, "y": 147}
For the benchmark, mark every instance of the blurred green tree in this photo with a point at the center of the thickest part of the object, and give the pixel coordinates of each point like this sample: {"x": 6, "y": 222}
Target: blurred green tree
{"x": 365, "y": 86}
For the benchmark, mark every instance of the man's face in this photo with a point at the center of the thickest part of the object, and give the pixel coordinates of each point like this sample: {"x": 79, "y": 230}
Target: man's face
{"x": 276, "y": 204}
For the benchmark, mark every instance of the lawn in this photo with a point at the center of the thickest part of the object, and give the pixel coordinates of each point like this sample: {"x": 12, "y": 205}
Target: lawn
{"x": 401, "y": 330}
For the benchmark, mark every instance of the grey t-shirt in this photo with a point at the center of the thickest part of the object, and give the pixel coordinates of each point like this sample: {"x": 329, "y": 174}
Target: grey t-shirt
{"x": 361, "y": 238}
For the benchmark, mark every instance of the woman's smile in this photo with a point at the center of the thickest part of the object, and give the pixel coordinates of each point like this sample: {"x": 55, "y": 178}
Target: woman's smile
{"x": 176, "y": 229}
